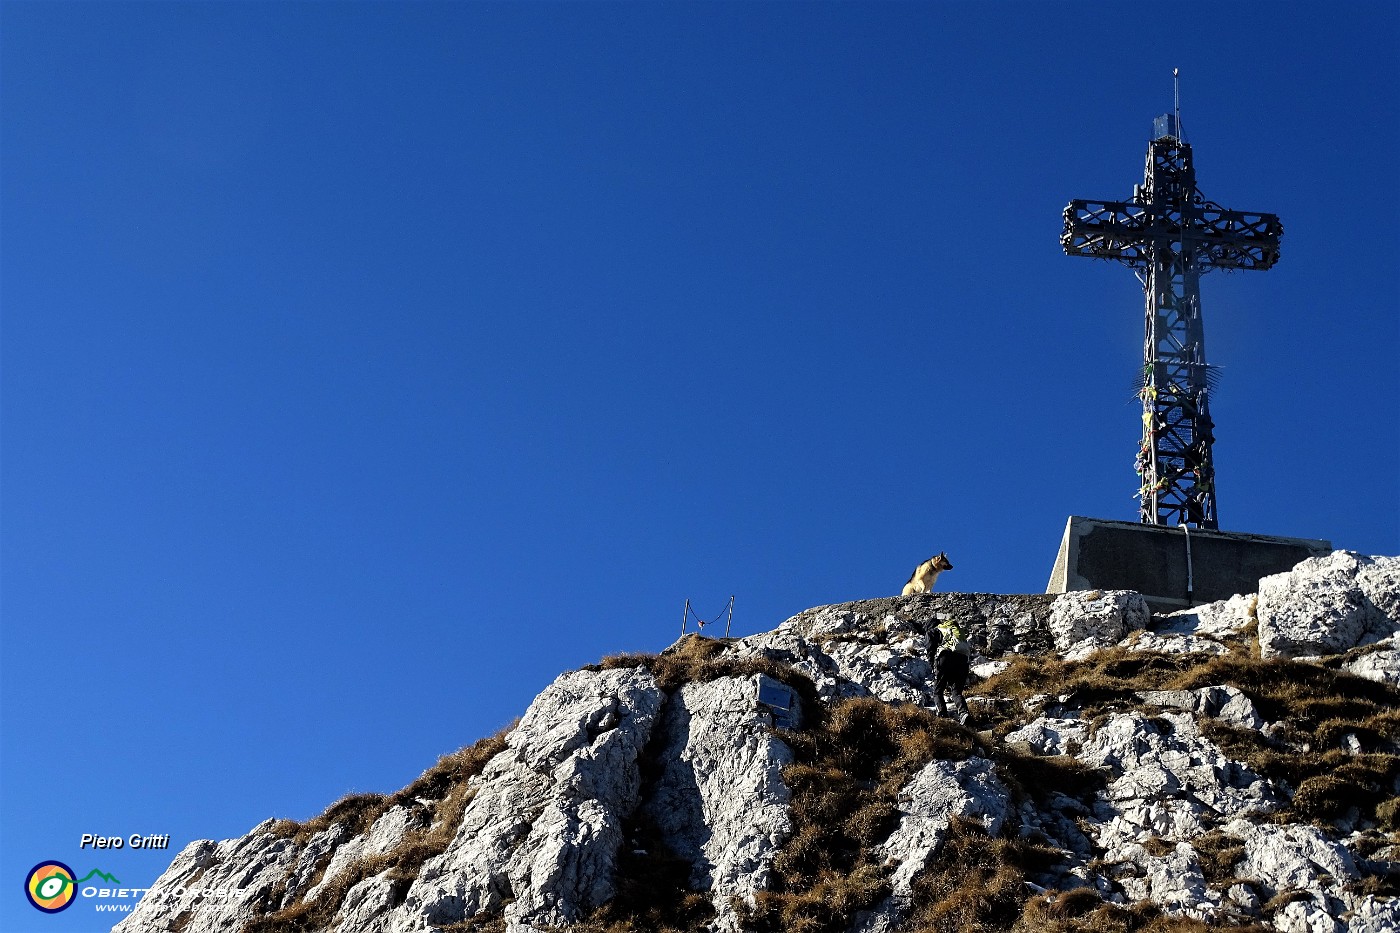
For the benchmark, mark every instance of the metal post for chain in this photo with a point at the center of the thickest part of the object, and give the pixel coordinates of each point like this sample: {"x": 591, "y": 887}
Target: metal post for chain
{"x": 700, "y": 623}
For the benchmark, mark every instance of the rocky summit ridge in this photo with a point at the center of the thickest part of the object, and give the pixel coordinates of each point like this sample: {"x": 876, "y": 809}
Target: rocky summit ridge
{"x": 1233, "y": 765}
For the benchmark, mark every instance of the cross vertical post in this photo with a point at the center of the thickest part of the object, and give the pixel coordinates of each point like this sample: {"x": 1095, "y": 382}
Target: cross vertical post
{"x": 1169, "y": 234}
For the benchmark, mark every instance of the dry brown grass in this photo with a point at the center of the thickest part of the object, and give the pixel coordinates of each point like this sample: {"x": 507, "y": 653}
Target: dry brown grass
{"x": 1282, "y": 689}
{"x": 850, "y": 769}
{"x": 475, "y": 925}
{"x": 1108, "y": 678}
{"x": 1156, "y": 845}
{"x": 1375, "y": 886}
{"x": 1037, "y": 777}
{"x": 1283, "y": 898}
{"x": 1083, "y": 911}
{"x": 975, "y": 884}
{"x": 850, "y": 765}
{"x": 1326, "y": 783}
{"x": 697, "y": 659}
{"x": 1287, "y": 690}
{"x": 1218, "y": 853}
{"x": 356, "y": 812}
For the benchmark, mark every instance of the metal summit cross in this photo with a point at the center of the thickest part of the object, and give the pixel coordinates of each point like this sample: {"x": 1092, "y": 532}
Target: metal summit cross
{"x": 1169, "y": 234}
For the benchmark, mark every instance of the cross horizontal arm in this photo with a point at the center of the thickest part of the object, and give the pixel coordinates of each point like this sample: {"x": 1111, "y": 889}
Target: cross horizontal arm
{"x": 1126, "y": 231}
{"x": 1109, "y": 230}
{"x": 1236, "y": 239}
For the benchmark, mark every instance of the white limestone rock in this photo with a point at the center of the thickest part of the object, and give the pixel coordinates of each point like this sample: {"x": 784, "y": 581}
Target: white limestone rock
{"x": 999, "y": 625}
{"x": 536, "y": 847}
{"x": 988, "y": 669}
{"x": 1307, "y": 916}
{"x": 720, "y": 800}
{"x": 540, "y": 838}
{"x": 318, "y": 848}
{"x": 384, "y": 836}
{"x": 1374, "y": 915}
{"x": 215, "y": 887}
{"x": 1219, "y": 619}
{"x": 366, "y": 904}
{"x": 1381, "y": 663}
{"x": 878, "y": 647}
{"x": 1170, "y": 783}
{"x": 1173, "y": 881}
{"x": 1329, "y": 604}
{"x": 1289, "y": 857}
{"x": 1169, "y": 780}
{"x": 854, "y": 649}
{"x": 1220, "y": 702}
{"x": 1086, "y": 621}
{"x": 940, "y": 791}
{"x": 1242, "y": 897}
{"x": 1302, "y": 859}
{"x": 895, "y": 673}
{"x": 1048, "y": 735}
{"x": 1171, "y": 643}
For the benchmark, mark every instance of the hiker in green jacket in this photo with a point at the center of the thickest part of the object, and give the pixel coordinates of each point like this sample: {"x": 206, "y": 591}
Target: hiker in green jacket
{"x": 950, "y": 655}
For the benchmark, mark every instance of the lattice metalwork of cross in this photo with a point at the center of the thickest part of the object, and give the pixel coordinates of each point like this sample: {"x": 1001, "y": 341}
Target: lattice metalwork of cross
{"x": 1169, "y": 234}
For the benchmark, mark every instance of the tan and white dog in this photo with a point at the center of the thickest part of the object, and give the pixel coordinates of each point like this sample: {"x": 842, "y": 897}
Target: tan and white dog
{"x": 921, "y": 581}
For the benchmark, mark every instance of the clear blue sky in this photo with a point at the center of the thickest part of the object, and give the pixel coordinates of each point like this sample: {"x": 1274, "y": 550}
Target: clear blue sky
{"x": 366, "y": 366}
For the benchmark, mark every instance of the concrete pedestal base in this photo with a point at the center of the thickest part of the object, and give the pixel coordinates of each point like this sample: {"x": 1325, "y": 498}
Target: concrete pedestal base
{"x": 1097, "y": 554}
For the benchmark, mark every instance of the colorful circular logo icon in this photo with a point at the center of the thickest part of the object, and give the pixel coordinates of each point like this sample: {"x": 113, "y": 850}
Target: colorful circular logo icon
{"x": 50, "y": 887}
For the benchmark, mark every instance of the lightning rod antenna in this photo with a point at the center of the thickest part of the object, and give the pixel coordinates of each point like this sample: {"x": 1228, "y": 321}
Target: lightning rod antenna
{"x": 1176, "y": 94}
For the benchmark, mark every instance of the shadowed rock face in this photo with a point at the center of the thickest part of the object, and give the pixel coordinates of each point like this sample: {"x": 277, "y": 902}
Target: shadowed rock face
{"x": 1214, "y": 800}
{"x": 720, "y": 800}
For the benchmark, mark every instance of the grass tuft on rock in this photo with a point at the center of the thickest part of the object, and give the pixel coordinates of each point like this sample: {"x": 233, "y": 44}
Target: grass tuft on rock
{"x": 697, "y": 659}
